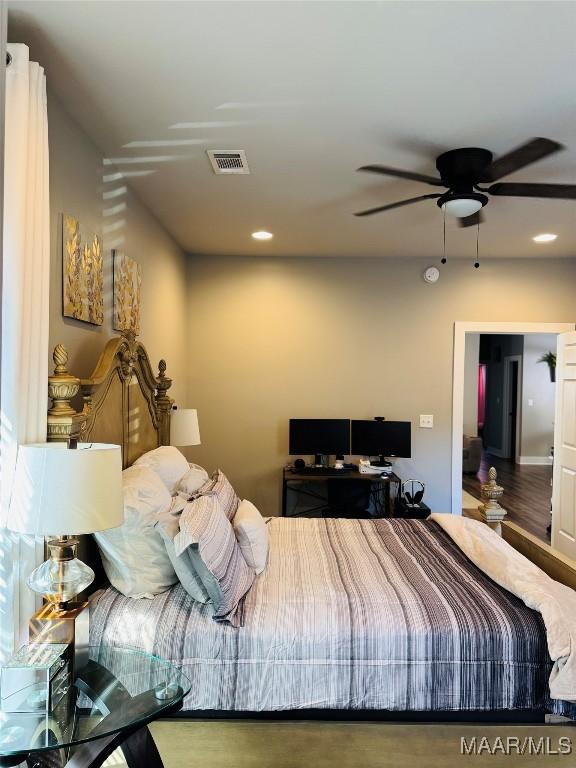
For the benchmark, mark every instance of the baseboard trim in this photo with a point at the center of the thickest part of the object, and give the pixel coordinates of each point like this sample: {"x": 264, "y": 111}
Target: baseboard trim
{"x": 536, "y": 461}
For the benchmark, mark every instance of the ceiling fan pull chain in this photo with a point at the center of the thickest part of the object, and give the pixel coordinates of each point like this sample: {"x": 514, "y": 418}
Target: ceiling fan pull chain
{"x": 477, "y": 262}
{"x": 443, "y": 259}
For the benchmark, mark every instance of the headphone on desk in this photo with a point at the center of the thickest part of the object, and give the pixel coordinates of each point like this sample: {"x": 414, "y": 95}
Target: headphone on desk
{"x": 413, "y": 499}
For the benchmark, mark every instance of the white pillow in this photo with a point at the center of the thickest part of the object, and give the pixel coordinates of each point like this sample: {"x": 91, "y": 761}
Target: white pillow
{"x": 168, "y": 463}
{"x": 134, "y": 555}
{"x": 251, "y": 533}
{"x": 193, "y": 480}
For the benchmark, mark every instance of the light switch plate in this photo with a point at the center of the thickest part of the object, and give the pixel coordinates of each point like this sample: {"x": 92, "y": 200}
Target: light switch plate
{"x": 426, "y": 421}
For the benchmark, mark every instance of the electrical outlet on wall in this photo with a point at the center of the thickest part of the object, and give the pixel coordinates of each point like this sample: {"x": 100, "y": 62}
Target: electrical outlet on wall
{"x": 426, "y": 421}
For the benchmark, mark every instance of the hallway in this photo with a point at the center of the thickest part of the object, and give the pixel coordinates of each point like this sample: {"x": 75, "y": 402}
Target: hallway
{"x": 527, "y": 492}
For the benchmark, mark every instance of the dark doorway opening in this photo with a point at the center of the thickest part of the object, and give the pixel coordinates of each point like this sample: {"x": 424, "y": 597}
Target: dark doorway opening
{"x": 513, "y": 409}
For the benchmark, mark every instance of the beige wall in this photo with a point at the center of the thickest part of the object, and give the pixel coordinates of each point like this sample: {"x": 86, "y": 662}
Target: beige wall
{"x": 253, "y": 342}
{"x": 538, "y": 398}
{"x": 77, "y": 187}
{"x": 471, "y": 363}
{"x": 274, "y": 338}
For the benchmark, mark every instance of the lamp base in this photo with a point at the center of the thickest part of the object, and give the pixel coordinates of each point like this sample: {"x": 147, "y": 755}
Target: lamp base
{"x": 68, "y": 624}
{"x": 60, "y": 578}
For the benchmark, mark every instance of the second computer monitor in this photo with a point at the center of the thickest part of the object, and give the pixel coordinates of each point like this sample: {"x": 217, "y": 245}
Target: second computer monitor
{"x": 381, "y": 438}
{"x": 330, "y": 437}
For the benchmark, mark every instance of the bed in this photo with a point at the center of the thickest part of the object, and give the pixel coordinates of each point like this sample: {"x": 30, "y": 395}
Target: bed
{"x": 380, "y": 618}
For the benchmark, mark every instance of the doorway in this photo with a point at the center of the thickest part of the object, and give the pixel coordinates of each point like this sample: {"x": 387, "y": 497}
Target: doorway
{"x": 512, "y": 403}
{"x": 512, "y": 406}
{"x": 517, "y": 425}
{"x": 507, "y": 452}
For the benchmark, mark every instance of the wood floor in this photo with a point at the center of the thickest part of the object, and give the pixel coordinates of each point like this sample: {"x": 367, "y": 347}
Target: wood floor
{"x": 527, "y": 492}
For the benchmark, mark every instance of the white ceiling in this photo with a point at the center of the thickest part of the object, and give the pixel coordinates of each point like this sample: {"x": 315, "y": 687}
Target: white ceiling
{"x": 311, "y": 91}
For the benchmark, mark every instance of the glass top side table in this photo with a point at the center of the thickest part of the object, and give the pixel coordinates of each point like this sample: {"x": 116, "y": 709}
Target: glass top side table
{"x": 113, "y": 698}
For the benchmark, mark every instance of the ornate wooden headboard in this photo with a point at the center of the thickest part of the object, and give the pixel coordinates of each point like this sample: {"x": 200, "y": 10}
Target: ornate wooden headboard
{"x": 123, "y": 401}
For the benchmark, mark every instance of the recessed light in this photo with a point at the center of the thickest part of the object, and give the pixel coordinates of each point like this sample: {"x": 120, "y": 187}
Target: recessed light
{"x": 546, "y": 237}
{"x": 262, "y": 235}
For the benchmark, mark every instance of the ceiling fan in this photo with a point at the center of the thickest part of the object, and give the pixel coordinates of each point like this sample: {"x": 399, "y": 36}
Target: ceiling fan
{"x": 462, "y": 170}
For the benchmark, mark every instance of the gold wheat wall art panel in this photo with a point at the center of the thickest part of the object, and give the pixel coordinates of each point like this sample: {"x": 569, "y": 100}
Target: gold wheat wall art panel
{"x": 127, "y": 293}
{"x": 82, "y": 273}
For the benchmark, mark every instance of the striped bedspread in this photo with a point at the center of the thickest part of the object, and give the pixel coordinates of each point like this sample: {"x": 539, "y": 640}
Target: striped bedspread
{"x": 349, "y": 614}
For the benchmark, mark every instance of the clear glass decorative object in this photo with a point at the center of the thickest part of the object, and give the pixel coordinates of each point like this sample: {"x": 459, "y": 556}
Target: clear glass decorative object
{"x": 60, "y": 578}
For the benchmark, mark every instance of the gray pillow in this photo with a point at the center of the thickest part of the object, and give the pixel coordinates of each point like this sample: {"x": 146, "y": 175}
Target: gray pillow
{"x": 220, "y": 486}
{"x": 207, "y": 534}
{"x": 168, "y": 528}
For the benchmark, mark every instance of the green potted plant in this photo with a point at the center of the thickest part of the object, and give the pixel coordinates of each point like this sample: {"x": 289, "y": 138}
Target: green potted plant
{"x": 550, "y": 359}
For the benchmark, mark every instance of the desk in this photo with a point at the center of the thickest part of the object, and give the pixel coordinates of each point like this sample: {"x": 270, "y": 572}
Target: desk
{"x": 383, "y": 488}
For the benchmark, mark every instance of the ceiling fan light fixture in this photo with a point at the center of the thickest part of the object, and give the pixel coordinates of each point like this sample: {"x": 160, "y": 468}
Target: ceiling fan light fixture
{"x": 461, "y": 206}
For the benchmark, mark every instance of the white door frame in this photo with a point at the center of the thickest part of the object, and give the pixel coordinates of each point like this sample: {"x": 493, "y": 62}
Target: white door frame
{"x": 460, "y": 331}
{"x": 506, "y": 393}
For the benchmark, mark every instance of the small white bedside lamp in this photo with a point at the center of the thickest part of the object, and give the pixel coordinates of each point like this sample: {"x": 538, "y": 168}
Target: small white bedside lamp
{"x": 184, "y": 428}
{"x": 65, "y": 492}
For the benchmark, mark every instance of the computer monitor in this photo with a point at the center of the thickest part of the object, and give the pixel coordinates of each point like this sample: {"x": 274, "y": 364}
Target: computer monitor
{"x": 319, "y": 436}
{"x": 381, "y": 438}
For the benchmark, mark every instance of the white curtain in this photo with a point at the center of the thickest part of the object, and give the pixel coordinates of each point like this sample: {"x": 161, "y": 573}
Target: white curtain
{"x": 25, "y": 315}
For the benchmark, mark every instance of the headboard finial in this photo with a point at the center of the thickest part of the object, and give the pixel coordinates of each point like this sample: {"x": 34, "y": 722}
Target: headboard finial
{"x": 64, "y": 422}
{"x": 163, "y": 402}
{"x": 62, "y": 386}
{"x": 60, "y": 357}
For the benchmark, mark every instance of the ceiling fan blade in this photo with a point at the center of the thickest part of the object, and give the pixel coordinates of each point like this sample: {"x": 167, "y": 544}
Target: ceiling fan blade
{"x": 384, "y": 171}
{"x": 528, "y": 153}
{"x": 399, "y": 204}
{"x": 471, "y": 221}
{"x": 557, "y": 191}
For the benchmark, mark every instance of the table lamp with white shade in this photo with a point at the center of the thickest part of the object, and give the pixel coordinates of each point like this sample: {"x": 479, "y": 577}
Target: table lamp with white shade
{"x": 60, "y": 492}
{"x": 184, "y": 428}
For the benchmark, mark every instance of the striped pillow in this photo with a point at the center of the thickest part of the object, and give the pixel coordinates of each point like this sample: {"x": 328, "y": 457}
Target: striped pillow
{"x": 216, "y": 556}
{"x": 226, "y": 495}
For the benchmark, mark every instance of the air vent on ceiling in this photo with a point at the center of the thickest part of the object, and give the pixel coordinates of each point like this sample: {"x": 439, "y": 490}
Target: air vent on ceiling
{"x": 228, "y": 161}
